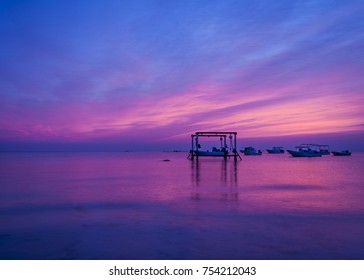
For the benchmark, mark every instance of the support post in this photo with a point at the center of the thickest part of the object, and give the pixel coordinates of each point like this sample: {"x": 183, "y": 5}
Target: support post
{"x": 197, "y": 147}
{"x": 235, "y": 151}
{"x": 192, "y": 152}
{"x": 192, "y": 147}
{"x": 225, "y": 150}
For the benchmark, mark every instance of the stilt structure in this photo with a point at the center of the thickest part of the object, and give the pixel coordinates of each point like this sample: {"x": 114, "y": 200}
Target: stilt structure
{"x": 225, "y": 150}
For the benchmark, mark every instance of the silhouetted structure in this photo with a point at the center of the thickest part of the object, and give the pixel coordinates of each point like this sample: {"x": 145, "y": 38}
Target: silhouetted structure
{"x": 225, "y": 150}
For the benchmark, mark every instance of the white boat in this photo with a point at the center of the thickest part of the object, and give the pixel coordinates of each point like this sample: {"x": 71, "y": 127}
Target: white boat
{"x": 306, "y": 150}
{"x": 276, "y": 150}
{"x": 342, "y": 153}
{"x": 250, "y": 151}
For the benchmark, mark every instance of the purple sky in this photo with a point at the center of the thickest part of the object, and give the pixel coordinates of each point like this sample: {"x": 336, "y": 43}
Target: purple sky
{"x": 119, "y": 75}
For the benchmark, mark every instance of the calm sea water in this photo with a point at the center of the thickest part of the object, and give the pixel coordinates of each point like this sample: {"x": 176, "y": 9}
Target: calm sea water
{"x": 137, "y": 206}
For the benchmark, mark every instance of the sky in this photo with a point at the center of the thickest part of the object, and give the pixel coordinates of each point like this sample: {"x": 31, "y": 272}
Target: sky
{"x": 129, "y": 75}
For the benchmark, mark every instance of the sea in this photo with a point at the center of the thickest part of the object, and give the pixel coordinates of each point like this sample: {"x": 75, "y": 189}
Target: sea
{"x": 163, "y": 206}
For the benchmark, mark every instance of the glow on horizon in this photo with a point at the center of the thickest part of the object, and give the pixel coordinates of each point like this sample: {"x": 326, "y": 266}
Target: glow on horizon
{"x": 105, "y": 71}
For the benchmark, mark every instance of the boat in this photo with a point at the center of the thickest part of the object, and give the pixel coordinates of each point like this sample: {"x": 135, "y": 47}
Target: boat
{"x": 306, "y": 150}
{"x": 250, "y": 151}
{"x": 342, "y": 153}
{"x": 214, "y": 153}
{"x": 276, "y": 150}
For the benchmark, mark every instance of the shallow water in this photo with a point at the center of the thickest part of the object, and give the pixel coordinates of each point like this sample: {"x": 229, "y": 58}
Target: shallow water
{"x": 138, "y": 206}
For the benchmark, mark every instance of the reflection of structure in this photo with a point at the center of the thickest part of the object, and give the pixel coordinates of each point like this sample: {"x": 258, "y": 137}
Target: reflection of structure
{"x": 224, "y": 150}
{"x": 195, "y": 179}
{"x": 227, "y": 185}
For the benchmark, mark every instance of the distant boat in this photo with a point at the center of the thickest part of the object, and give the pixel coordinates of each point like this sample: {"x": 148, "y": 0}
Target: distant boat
{"x": 342, "y": 153}
{"x": 250, "y": 151}
{"x": 276, "y": 150}
{"x": 306, "y": 150}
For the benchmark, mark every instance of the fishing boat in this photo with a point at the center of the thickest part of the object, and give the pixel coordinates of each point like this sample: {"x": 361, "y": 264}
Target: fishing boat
{"x": 305, "y": 150}
{"x": 276, "y": 150}
{"x": 250, "y": 151}
{"x": 342, "y": 153}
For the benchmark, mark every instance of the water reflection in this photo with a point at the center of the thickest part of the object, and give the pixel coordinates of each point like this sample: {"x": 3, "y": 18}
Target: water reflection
{"x": 123, "y": 206}
{"x": 214, "y": 178}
